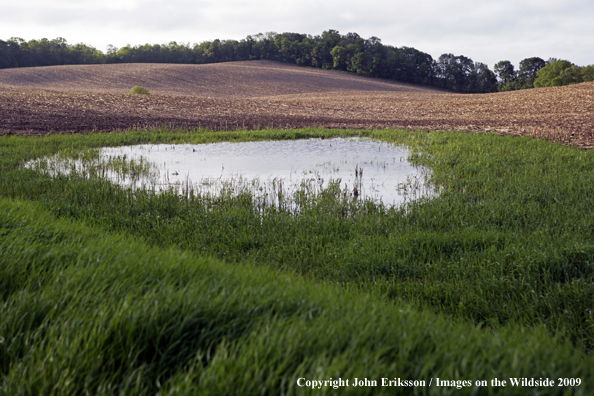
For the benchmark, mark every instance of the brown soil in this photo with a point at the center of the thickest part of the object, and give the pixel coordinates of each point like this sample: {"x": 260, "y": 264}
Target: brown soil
{"x": 252, "y": 94}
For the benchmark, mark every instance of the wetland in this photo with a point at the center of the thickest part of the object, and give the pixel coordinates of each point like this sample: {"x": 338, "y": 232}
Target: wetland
{"x": 274, "y": 172}
{"x": 106, "y": 284}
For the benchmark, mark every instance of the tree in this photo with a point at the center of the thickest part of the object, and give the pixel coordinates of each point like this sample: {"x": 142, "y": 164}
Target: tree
{"x": 6, "y": 55}
{"x": 549, "y": 76}
{"x": 485, "y": 78}
{"x": 360, "y": 62}
{"x": 268, "y": 48}
{"x": 330, "y": 50}
{"x": 212, "y": 51}
{"x": 571, "y": 75}
{"x": 84, "y": 54}
{"x": 323, "y": 45}
{"x": 454, "y": 72}
{"x": 527, "y": 73}
{"x": 321, "y": 56}
{"x": 506, "y": 75}
{"x": 339, "y": 57}
{"x": 588, "y": 73}
{"x": 414, "y": 66}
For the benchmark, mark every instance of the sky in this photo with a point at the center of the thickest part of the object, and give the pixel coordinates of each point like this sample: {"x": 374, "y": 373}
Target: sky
{"x": 487, "y": 31}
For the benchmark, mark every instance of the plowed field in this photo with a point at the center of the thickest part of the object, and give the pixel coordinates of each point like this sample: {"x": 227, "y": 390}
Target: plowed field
{"x": 258, "y": 94}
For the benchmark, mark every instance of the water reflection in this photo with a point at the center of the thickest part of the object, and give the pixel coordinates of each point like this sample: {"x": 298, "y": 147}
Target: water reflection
{"x": 362, "y": 168}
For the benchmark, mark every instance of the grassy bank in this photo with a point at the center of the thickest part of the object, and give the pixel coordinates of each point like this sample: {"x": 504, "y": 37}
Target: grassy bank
{"x": 504, "y": 257}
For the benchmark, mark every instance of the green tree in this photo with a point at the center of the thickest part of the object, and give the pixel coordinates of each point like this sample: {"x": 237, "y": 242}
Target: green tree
{"x": 506, "y": 75}
{"x": 485, "y": 78}
{"x": 549, "y": 76}
{"x": 268, "y": 47}
{"x": 414, "y": 66}
{"x": 212, "y": 51}
{"x": 571, "y": 75}
{"x": 527, "y": 73}
{"x": 321, "y": 52}
{"x": 229, "y": 50}
{"x": 245, "y": 48}
{"x": 339, "y": 57}
{"x": 6, "y": 55}
{"x": 588, "y": 73}
{"x": 19, "y": 49}
{"x": 454, "y": 72}
{"x": 330, "y": 50}
{"x": 360, "y": 63}
{"x": 84, "y": 54}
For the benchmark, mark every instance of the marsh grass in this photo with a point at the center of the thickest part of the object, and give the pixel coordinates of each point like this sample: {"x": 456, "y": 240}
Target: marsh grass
{"x": 85, "y": 312}
{"x": 90, "y": 164}
{"x": 287, "y": 194}
{"x": 504, "y": 257}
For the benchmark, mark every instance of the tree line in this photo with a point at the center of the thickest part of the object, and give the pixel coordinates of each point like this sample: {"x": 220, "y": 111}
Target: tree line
{"x": 330, "y": 50}
{"x": 536, "y": 73}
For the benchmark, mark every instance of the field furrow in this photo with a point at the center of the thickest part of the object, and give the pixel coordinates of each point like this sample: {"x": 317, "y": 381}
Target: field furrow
{"x": 253, "y": 95}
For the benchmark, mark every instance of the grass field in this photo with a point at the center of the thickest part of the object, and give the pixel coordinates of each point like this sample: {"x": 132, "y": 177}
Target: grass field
{"x": 111, "y": 291}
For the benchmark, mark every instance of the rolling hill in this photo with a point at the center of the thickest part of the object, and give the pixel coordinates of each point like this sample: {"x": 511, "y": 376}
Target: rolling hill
{"x": 232, "y": 79}
{"x": 262, "y": 93}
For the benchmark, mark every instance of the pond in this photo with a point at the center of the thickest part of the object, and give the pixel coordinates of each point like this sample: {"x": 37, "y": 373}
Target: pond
{"x": 361, "y": 168}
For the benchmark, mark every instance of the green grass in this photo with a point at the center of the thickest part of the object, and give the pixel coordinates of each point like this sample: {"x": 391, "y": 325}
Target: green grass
{"x": 499, "y": 269}
{"x": 89, "y": 312}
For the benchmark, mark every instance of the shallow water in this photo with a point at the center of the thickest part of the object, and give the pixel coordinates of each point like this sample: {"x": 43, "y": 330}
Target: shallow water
{"x": 363, "y": 168}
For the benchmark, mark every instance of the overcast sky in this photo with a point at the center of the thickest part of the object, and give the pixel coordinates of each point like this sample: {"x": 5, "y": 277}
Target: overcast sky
{"x": 484, "y": 30}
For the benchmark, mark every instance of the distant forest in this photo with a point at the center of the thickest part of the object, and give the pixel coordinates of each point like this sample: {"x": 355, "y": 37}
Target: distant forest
{"x": 330, "y": 51}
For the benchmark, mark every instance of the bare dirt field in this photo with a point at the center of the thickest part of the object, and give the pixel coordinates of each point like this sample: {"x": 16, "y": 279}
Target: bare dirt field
{"x": 259, "y": 94}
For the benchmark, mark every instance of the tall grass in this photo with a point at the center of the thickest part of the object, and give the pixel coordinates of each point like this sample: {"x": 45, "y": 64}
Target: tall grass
{"x": 85, "y": 312}
{"x": 507, "y": 248}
